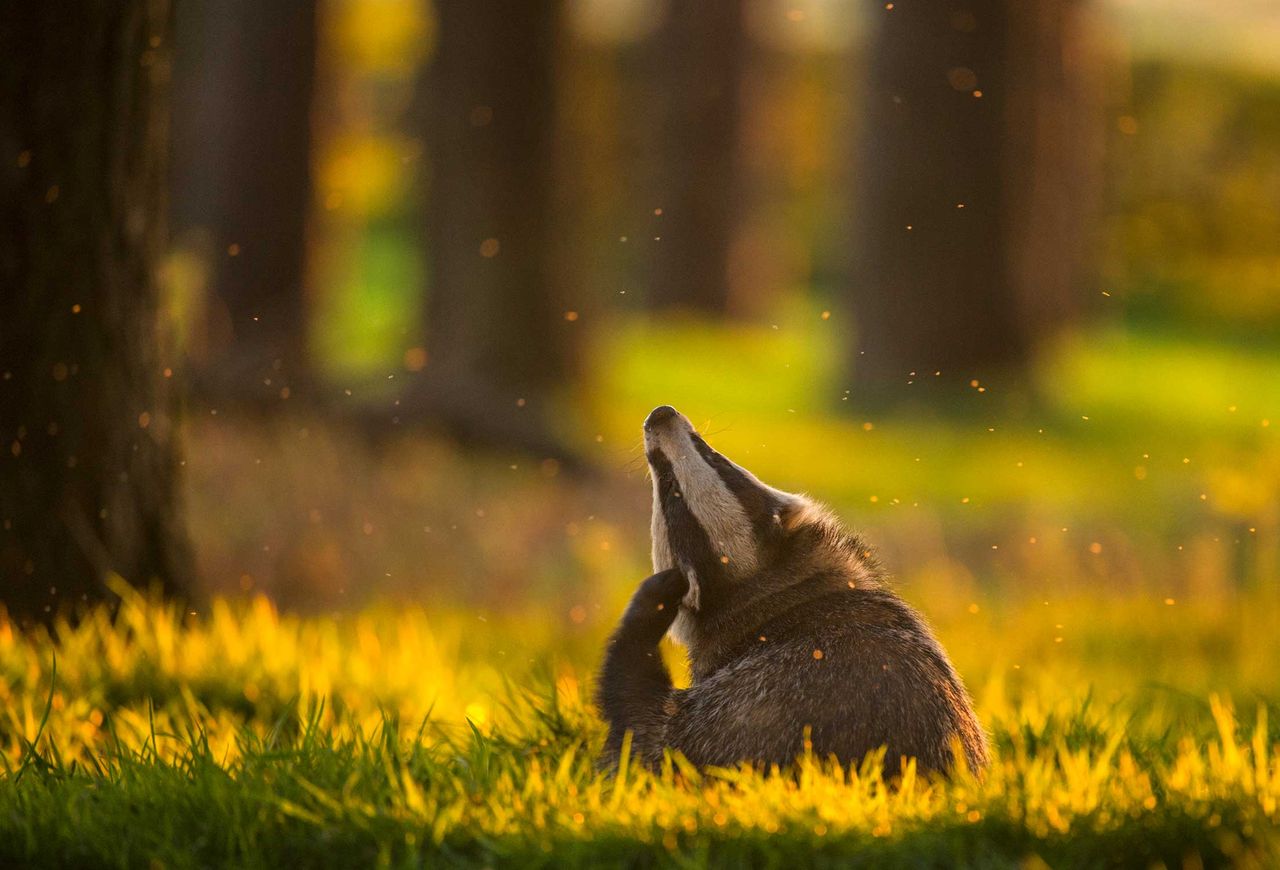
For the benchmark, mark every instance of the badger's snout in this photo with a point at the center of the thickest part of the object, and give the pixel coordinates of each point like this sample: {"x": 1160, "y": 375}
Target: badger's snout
{"x": 660, "y": 416}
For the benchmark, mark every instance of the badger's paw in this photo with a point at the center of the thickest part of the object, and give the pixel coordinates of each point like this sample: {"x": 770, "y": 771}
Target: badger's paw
{"x": 654, "y": 606}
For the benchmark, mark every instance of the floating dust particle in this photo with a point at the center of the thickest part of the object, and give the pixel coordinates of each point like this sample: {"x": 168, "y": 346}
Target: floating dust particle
{"x": 817, "y": 654}
{"x": 1095, "y": 548}
{"x": 571, "y": 316}
{"x": 415, "y": 359}
{"x": 489, "y": 248}
{"x": 233, "y": 250}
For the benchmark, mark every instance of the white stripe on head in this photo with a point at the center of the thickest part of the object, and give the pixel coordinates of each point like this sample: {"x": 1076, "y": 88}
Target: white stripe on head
{"x": 712, "y": 503}
{"x": 659, "y": 542}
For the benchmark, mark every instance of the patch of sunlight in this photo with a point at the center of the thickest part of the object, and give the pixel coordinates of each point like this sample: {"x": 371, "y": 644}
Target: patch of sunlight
{"x": 372, "y": 312}
{"x": 1153, "y": 381}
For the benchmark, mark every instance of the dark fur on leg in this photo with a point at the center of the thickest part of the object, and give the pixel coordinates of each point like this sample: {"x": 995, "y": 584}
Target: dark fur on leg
{"x": 634, "y": 685}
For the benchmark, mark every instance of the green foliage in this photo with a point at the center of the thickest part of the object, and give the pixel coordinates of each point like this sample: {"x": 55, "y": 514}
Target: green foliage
{"x": 245, "y": 738}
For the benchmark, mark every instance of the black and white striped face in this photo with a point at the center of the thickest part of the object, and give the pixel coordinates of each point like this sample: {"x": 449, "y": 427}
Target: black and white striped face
{"x": 711, "y": 518}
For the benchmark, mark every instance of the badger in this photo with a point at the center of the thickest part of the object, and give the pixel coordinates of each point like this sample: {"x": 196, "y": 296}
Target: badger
{"x": 794, "y": 641}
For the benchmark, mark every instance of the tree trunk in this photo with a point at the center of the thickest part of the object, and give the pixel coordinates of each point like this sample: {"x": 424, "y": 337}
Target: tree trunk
{"x": 89, "y": 465}
{"x": 244, "y": 74}
{"x": 701, "y": 50}
{"x": 976, "y": 176}
{"x": 500, "y": 332}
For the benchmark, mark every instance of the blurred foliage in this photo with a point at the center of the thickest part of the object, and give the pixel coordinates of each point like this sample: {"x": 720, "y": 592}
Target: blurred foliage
{"x": 1193, "y": 236}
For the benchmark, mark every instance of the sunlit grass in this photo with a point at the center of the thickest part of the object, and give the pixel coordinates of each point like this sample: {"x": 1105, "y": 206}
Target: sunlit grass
{"x": 247, "y": 737}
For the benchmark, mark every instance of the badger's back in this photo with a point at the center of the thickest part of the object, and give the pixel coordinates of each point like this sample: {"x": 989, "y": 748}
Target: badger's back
{"x": 857, "y": 669}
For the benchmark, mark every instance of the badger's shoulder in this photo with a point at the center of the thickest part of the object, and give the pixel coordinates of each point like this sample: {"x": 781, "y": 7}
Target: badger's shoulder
{"x": 823, "y": 611}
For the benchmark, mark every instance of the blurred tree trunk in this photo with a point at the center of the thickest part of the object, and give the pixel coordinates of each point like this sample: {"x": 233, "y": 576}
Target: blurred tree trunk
{"x": 499, "y": 337}
{"x": 701, "y": 51}
{"x": 244, "y": 74}
{"x": 977, "y": 175}
{"x": 88, "y": 473}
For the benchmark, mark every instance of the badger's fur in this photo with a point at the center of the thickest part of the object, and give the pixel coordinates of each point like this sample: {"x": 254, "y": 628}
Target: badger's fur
{"x": 788, "y": 627}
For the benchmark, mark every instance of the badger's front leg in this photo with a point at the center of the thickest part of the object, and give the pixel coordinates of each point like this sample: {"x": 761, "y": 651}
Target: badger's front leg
{"x": 634, "y": 685}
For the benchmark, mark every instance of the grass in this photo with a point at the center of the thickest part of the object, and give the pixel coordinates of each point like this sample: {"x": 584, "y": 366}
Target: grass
{"x": 243, "y": 737}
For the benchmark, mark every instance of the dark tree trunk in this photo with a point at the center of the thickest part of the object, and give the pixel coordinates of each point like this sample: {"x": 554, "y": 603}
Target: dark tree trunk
{"x": 700, "y": 52}
{"x": 244, "y": 74}
{"x": 976, "y": 174}
{"x": 89, "y": 464}
{"x": 499, "y": 333}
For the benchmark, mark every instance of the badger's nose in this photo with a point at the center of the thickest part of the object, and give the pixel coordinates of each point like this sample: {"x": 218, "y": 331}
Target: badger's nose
{"x": 658, "y": 416}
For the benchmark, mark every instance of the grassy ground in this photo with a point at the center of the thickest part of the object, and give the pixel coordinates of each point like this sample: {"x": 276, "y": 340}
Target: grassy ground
{"x": 245, "y": 738}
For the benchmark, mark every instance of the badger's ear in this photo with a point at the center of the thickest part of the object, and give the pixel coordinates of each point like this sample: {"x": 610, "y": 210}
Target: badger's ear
{"x": 794, "y": 512}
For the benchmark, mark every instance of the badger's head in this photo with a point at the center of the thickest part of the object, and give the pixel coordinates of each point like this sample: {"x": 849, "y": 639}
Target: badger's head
{"x": 722, "y": 527}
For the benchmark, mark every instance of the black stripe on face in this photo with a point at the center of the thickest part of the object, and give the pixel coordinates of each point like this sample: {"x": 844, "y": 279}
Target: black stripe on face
{"x": 690, "y": 544}
{"x": 761, "y": 506}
